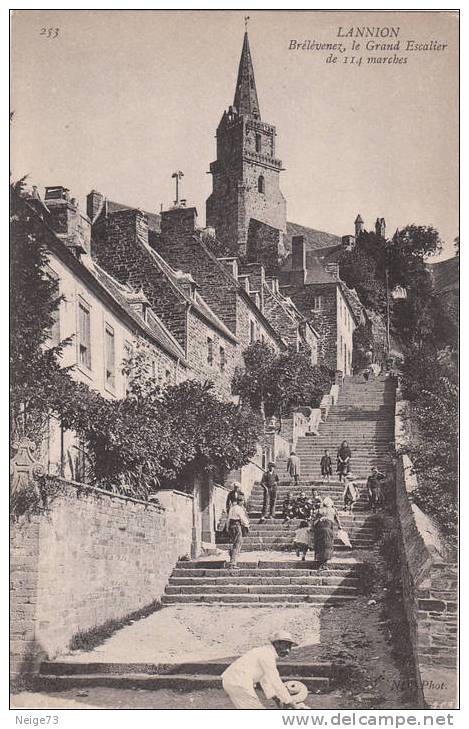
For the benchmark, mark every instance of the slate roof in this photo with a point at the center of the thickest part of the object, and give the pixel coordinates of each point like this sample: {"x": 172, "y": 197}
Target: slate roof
{"x": 314, "y": 239}
{"x": 154, "y": 220}
{"x": 153, "y": 325}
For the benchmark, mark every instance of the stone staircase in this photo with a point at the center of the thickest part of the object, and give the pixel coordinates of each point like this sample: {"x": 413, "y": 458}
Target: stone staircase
{"x": 364, "y": 416}
{"x": 262, "y": 582}
{"x": 269, "y": 574}
{"x": 193, "y": 675}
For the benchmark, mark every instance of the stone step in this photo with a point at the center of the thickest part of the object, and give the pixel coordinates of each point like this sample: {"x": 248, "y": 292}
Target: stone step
{"x": 297, "y": 570}
{"x": 288, "y": 540}
{"x": 254, "y": 567}
{"x": 257, "y": 513}
{"x": 285, "y": 530}
{"x": 233, "y": 579}
{"x": 184, "y": 682}
{"x": 253, "y": 600}
{"x": 263, "y": 589}
{"x": 212, "y": 668}
{"x": 257, "y": 546}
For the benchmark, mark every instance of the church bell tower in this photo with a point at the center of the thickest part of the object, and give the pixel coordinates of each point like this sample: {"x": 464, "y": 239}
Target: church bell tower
{"x": 246, "y": 172}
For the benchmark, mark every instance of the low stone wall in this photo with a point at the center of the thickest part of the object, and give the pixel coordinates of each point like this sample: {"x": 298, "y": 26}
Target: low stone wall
{"x": 430, "y": 590}
{"x": 91, "y": 558}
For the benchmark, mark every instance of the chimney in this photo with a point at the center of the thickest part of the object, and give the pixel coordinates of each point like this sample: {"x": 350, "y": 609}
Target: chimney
{"x": 380, "y": 227}
{"x": 298, "y": 261}
{"x": 244, "y": 281}
{"x": 94, "y": 203}
{"x": 333, "y": 270}
{"x": 130, "y": 225}
{"x": 348, "y": 241}
{"x": 68, "y": 223}
{"x": 179, "y": 221}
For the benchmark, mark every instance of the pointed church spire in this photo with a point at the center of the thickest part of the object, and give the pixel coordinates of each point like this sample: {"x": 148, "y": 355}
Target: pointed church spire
{"x": 245, "y": 99}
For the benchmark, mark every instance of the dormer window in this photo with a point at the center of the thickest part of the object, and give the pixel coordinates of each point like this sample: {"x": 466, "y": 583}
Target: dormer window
{"x": 261, "y": 184}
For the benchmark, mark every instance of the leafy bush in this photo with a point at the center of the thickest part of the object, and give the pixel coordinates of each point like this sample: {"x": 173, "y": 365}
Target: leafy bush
{"x": 276, "y": 383}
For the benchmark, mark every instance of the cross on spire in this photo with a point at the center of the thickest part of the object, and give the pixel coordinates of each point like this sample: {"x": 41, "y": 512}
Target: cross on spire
{"x": 246, "y": 18}
{"x": 245, "y": 100}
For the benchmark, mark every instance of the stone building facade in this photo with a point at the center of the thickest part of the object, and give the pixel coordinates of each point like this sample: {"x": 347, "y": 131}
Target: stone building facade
{"x": 103, "y": 319}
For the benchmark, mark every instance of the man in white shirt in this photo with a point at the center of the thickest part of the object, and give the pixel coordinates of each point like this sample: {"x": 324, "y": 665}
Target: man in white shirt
{"x": 259, "y": 666}
{"x": 238, "y": 525}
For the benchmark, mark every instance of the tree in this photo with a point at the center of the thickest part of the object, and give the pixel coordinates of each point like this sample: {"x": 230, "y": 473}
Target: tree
{"x": 275, "y": 383}
{"x": 253, "y": 383}
{"x": 35, "y": 371}
{"x": 213, "y": 435}
{"x": 359, "y": 271}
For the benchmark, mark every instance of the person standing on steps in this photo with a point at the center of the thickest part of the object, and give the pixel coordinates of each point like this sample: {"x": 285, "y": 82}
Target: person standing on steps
{"x": 324, "y": 523}
{"x": 293, "y": 467}
{"x": 344, "y": 455}
{"x": 373, "y": 486}
{"x": 269, "y": 483}
{"x": 326, "y": 466}
{"x": 238, "y": 527}
{"x": 233, "y": 495}
{"x": 350, "y": 494}
{"x": 259, "y": 666}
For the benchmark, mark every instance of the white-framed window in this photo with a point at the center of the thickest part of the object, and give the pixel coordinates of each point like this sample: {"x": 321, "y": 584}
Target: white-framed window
{"x": 109, "y": 357}
{"x": 317, "y": 303}
{"x": 84, "y": 334}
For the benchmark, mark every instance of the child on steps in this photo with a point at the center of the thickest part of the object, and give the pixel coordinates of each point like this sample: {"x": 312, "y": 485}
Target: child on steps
{"x": 302, "y": 539}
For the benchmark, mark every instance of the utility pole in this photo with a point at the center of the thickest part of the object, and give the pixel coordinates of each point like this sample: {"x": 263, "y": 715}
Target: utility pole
{"x": 388, "y": 342}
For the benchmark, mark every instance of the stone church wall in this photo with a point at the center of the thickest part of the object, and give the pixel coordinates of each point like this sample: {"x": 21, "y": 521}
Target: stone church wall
{"x": 92, "y": 558}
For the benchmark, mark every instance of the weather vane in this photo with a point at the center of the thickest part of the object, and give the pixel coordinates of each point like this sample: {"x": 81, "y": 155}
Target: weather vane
{"x": 246, "y": 18}
{"x": 177, "y": 176}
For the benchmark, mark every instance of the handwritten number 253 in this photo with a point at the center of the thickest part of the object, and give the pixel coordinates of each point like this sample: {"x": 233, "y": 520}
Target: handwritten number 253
{"x": 50, "y": 32}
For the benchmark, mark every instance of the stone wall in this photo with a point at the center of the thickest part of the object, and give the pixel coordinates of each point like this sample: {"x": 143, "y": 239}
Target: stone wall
{"x": 93, "y": 557}
{"x": 430, "y": 590}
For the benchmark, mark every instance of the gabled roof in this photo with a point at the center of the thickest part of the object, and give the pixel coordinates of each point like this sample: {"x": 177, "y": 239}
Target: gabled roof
{"x": 109, "y": 290}
{"x": 154, "y": 220}
{"x": 152, "y": 325}
{"x": 314, "y": 239}
{"x": 198, "y": 302}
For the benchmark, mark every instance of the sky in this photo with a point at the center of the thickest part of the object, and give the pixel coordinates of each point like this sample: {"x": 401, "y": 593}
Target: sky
{"x": 118, "y": 100}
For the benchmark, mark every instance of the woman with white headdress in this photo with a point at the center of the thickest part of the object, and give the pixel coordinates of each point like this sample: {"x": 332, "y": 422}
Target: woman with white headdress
{"x": 323, "y": 532}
